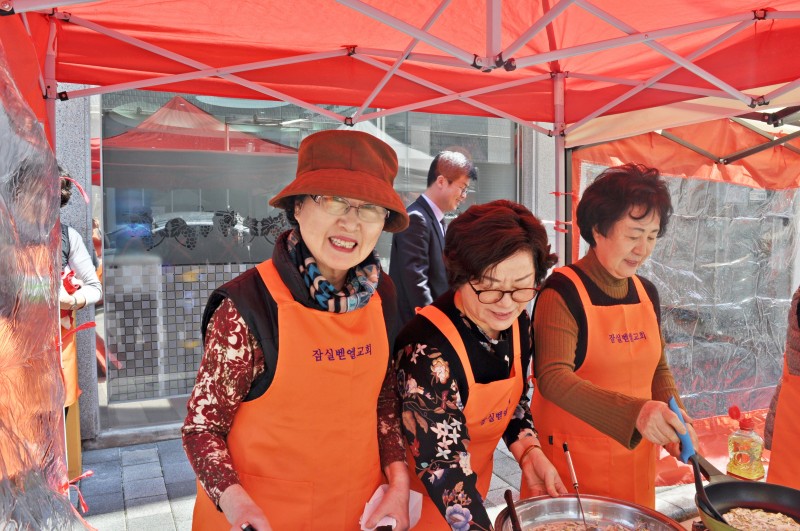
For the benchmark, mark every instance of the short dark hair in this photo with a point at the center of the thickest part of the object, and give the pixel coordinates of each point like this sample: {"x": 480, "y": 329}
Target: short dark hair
{"x": 451, "y": 165}
{"x": 486, "y": 234}
{"x": 66, "y": 184}
{"x": 615, "y": 191}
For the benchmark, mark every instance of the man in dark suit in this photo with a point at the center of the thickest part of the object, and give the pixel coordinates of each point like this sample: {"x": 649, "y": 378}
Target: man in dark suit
{"x": 416, "y": 264}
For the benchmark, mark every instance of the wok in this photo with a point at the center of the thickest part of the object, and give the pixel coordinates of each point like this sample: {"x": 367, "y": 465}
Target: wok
{"x": 726, "y": 493}
{"x": 599, "y": 510}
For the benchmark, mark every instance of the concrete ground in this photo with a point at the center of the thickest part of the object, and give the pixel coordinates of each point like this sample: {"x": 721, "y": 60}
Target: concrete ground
{"x": 151, "y": 487}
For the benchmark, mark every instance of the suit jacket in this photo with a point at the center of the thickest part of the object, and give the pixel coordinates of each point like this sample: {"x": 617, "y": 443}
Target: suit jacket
{"x": 416, "y": 263}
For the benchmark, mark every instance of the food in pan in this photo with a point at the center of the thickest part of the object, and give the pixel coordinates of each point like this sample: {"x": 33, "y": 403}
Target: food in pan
{"x": 759, "y": 520}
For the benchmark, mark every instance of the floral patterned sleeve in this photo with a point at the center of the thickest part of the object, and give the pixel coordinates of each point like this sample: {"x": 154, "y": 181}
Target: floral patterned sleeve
{"x": 231, "y": 361}
{"x": 390, "y": 438}
{"x": 435, "y": 429}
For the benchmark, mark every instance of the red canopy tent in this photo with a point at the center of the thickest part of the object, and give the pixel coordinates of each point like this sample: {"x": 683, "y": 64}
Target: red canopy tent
{"x": 182, "y": 125}
{"x": 520, "y": 60}
{"x": 581, "y": 71}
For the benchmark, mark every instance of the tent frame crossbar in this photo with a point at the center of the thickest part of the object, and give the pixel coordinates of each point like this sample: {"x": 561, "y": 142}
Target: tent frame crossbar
{"x": 671, "y": 87}
{"x": 531, "y": 32}
{"x": 399, "y": 61}
{"x": 688, "y": 145}
{"x": 669, "y": 54}
{"x": 733, "y": 157}
{"x": 194, "y": 64}
{"x": 464, "y": 59}
{"x": 449, "y": 95}
{"x": 207, "y": 72}
{"x": 661, "y": 75}
{"x": 26, "y": 6}
{"x": 763, "y": 133}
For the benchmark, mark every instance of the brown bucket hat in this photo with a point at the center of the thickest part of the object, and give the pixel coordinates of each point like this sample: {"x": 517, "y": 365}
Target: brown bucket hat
{"x": 348, "y": 164}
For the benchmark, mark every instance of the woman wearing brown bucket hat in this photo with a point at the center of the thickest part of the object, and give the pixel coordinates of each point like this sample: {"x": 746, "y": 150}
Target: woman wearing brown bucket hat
{"x": 293, "y": 421}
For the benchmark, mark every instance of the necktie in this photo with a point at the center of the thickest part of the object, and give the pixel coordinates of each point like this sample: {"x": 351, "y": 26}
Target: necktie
{"x": 444, "y": 226}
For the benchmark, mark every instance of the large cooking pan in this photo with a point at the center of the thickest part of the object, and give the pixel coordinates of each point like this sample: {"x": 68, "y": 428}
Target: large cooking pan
{"x": 726, "y": 493}
{"x": 600, "y": 511}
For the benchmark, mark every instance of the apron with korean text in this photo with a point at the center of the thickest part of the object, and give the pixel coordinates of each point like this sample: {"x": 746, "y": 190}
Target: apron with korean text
{"x": 307, "y": 450}
{"x": 488, "y": 411}
{"x": 623, "y": 349}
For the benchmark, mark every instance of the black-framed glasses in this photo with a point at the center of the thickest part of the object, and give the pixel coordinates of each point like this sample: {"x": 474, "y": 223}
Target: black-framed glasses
{"x": 339, "y": 206}
{"x": 490, "y": 296}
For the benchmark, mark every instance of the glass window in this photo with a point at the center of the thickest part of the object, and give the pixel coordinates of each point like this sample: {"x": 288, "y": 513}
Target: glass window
{"x": 186, "y": 185}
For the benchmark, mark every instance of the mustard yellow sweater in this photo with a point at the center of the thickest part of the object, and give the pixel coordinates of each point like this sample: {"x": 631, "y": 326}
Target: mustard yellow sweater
{"x": 556, "y": 337}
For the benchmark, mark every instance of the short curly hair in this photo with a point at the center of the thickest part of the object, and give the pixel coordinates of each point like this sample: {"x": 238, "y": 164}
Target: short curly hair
{"x": 486, "y": 234}
{"x": 615, "y": 191}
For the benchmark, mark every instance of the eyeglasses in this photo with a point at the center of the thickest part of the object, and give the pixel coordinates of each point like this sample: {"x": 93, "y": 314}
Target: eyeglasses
{"x": 490, "y": 296}
{"x": 339, "y": 206}
{"x": 464, "y": 190}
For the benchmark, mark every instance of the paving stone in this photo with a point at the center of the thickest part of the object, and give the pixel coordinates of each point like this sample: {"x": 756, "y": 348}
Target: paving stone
{"x": 101, "y": 485}
{"x": 136, "y": 457}
{"x": 108, "y": 522}
{"x": 100, "y": 456}
{"x": 182, "y": 489}
{"x": 161, "y": 522}
{"x": 507, "y": 468}
{"x": 173, "y": 447}
{"x": 139, "y": 507}
{"x": 144, "y": 488}
{"x": 142, "y": 471}
{"x": 104, "y": 470}
{"x": 105, "y": 503}
{"x": 178, "y": 472}
{"x": 182, "y": 508}
{"x": 500, "y": 483}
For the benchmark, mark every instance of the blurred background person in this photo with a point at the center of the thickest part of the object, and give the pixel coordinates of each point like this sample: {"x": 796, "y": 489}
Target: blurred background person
{"x": 416, "y": 264}
{"x": 602, "y": 379}
{"x": 782, "y": 429}
{"x": 462, "y": 366}
{"x": 294, "y": 418}
{"x": 80, "y": 287}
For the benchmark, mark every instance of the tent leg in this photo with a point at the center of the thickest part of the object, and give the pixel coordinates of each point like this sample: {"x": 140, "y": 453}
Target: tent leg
{"x": 560, "y": 169}
{"x": 51, "y": 89}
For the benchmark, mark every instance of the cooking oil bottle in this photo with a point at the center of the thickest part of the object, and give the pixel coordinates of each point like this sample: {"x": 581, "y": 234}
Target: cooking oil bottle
{"x": 744, "y": 449}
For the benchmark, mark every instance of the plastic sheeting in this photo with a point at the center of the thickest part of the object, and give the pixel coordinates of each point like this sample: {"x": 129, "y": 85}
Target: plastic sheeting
{"x": 32, "y": 468}
{"x": 724, "y": 275}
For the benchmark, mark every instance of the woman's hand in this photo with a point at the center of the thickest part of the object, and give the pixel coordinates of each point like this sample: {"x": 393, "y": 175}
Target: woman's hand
{"x": 65, "y": 300}
{"x": 395, "y": 499}
{"x": 539, "y": 474}
{"x": 240, "y": 509}
{"x": 674, "y": 449}
{"x": 661, "y": 426}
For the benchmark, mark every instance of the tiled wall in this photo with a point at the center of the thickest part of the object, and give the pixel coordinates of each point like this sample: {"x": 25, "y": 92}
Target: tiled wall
{"x": 153, "y": 315}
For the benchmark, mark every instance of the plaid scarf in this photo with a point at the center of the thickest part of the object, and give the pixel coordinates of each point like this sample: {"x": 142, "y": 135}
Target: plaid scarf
{"x": 361, "y": 282}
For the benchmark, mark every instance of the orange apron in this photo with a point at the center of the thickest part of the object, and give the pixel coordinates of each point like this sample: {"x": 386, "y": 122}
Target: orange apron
{"x": 306, "y": 451}
{"x": 622, "y": 352}
{"x": 488, "y": 411}
{"x": 69, "y": 361}
{"x": 784, "y": 462}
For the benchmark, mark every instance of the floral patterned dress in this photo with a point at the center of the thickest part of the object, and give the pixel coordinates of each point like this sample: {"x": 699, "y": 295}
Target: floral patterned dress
{"x": 434, "y": 393}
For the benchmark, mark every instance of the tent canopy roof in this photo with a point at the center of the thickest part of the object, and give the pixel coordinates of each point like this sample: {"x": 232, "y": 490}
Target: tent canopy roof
{"x": 607, "y": 61}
